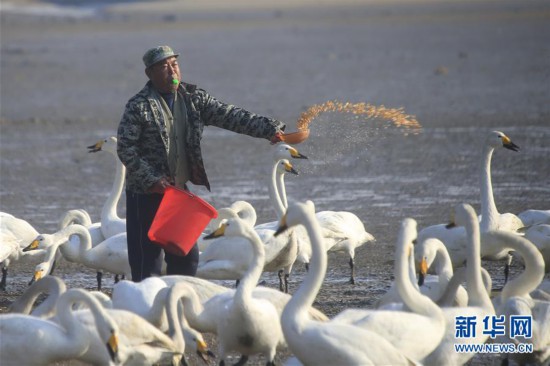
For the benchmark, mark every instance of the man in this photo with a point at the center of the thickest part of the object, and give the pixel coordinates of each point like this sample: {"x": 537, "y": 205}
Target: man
{"x": 159, "y": 143}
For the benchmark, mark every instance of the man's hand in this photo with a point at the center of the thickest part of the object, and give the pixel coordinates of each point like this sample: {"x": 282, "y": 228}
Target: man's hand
{"x": 160, "y": 186}
{"x": 278, "y": 137}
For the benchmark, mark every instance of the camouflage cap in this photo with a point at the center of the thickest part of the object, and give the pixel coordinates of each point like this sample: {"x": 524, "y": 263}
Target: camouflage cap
{"x": 156, "y": 54}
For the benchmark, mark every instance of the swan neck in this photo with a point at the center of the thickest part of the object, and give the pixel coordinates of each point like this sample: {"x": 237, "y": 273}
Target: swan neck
{"x": 174, "y": 323}
{"x": 443, "y": 264}
{"x": 158, "y": 309}
{"x": 192, "y": 307}
{"x": 533, "y": 274}
{"x": 282, "y": 190}
{"x": 255, "y": 268}
{"x": 109, "y": 210}
{"x": 274, "y": 193}
{"x": 50, "y": 285}
{"x": 477, "y": 294}
{"x": 84, "y": 244}
{"x": 489, "y": 212}
{"x": 302, "y": 300}
{"x": 410, "y": 295}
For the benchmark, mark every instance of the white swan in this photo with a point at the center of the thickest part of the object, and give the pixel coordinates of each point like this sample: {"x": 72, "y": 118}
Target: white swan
{"x": 432, "y": 252}
{"x": 150, "y": 299}
{"x": 110, "y": 255}
{"x": 285, "y": 151}
{"x": 455, "y": 239}
{"x": 515, "y": 300}
{"x": 343, "y": 231}
{"x": 30, "y": 340}
{"x": 111, "y": 223}
{"x": 326, "y": 343}
{"x": 479, "y": 303}
{"x": 13, "y": 228}
{"x": 401, "y": 327}
{"x": 246, "y": 324}
{"x": 139, "y": 341}
{"x": 229, "y": 258}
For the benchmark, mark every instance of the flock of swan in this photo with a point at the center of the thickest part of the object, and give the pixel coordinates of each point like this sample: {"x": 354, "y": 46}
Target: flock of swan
{"x": 438, "y": 276}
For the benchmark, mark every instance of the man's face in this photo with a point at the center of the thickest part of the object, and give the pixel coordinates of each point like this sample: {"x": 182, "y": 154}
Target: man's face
{"x": 163, "y": 73}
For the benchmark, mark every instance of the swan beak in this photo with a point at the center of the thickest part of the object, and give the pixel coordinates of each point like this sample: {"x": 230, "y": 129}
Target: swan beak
{"x": 203, "y": 352}
{"x": 290, "y": 169}
{"x": 282, "y": 226}
{"x": 36, "y": 277}
{"x": 112, "y": 347}
{"x": 507, "y": 143}
{"x": 296, "y": 154}
{"x": 96, "y": 147}
{"x": 217, "y": 233}
{"x": 32, "y": 246}
{"x": 450, "y": 225}
{"x": 423, "y": 271}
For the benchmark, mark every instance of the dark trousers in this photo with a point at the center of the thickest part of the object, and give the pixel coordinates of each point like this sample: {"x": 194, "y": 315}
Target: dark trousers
{"x": 144, "y": 255}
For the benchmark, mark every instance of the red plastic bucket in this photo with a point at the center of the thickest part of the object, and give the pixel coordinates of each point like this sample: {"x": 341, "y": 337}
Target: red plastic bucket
{"x": 180, "y": 220}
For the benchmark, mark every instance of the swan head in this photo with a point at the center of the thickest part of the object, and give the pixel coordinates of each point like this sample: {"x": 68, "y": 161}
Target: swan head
{"x": 37, "y": 243}
{"x": 202, "y": 348}
{"x": 464, "y": 213}
{"x": 425, "y": 253}
{"x": 108, "y": 144}
{"x": 284, "y": 151}
{"x": 112, "y": 346}
{"x": 230, "y": 228}
{"x": 294, "y": 215}
{"x": 285, "y": 166}
{"x": 499, "y": 139}
{"x": 40, "y": 271}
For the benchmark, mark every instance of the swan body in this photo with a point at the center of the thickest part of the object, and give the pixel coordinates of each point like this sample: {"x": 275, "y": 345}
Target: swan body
{"x": 534, "y": 217}
{"x": 344, "y": 232}
{"x": 479, "y": 304}
{"x": 455, "y": 239}
{"x": 30, "y": 340}
{"x": 248, "y": 325}
{"x": 111, "y": 223}
{"x": 539, "y": 235}
{"x": 110, "y": 255}
{"x": 400, "y": 327}
{"x": 326, "y": 343}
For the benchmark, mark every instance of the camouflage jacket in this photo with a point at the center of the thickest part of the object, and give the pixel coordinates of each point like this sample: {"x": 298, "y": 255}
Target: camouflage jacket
{"x": 143, "y": 139}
